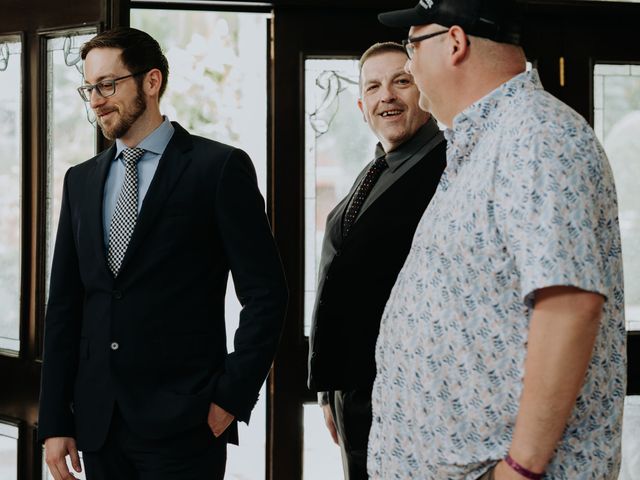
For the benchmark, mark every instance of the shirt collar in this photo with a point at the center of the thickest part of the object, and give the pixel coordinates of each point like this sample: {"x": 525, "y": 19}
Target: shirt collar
{"x": 155, "y": 142}
{"x": 472, "y": 121}
{"x": 405, "y": 151}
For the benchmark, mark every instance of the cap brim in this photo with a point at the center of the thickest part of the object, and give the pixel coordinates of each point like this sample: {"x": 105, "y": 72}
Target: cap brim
{"x": 404, "y": 18}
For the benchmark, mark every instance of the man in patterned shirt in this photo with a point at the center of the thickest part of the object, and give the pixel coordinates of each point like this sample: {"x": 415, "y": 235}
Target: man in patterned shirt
{"x": 501, "y": 351}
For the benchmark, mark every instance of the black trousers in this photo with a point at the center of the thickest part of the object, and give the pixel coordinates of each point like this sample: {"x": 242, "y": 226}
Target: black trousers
{"x": 351, "y": 411}
{"x": 193, "y": 455}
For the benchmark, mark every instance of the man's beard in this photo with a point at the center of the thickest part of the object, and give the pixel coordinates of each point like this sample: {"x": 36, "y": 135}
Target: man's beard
{"x": 127, "y": 119}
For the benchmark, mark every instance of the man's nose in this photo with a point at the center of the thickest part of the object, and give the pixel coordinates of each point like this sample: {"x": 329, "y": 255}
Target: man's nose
{"x": 95, "y": 99}
{"x": 407, "y": 66}
{"x": 388, "y": 93}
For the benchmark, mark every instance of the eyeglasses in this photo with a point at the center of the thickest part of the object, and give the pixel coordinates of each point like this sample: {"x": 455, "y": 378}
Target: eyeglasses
{"x": 409, "y": 42}
{"x": 105, "y": 88}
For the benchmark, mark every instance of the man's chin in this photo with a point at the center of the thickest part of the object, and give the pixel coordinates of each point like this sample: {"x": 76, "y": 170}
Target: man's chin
{"x": 106, "y": 133}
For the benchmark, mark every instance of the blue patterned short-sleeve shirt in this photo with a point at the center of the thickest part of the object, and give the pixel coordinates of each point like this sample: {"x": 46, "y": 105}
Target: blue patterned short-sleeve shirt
{"x": 527, "y": 201}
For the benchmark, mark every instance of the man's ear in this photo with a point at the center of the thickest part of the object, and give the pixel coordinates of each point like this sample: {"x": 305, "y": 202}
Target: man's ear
{"x": 153, "y": 82}
{"x": 362, "y": 110}
{"x": 459, "y": 44}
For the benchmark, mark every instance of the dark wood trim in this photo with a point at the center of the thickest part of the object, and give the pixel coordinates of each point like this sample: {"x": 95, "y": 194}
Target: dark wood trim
{"x": 116, "y": 13}
{"x": 32, "y": 15}
{"x": 286, "y": 411}
{"x": 270, "y": 205}
{"x": 29, "y": 453}
{"x": 40, "y": 192}
{"x": 38, "y": 187}
{"x": 246, "y": 7}
{"x": 22, "y": 376}
{"x": 28, "y": 328}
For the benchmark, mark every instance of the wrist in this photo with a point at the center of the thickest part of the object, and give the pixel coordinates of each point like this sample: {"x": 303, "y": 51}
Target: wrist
{"x": 523, "y": 470}
{"x": 323, "y": 398}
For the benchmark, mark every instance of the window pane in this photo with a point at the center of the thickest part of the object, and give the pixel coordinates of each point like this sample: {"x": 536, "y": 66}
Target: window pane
{"x": 321, "y": 456}
{"x": 617, "y": 123}
{"x": 71, "y": 137}
{"x": 8, "y": 451}
{"x": 218, "y": 89}
{"x": 338, "y": 144}
{"x": 10, "y": 191}
{"x": 630, "y": 440}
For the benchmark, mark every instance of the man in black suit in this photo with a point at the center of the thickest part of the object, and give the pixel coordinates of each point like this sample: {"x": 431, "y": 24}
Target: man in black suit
{"x": 136, "y": 373}
{"x": 367, "y": 239}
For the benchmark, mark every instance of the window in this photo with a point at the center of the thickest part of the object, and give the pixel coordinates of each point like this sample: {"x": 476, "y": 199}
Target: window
{"x": 71, "y": 134}
{"x": 10, "y": 190}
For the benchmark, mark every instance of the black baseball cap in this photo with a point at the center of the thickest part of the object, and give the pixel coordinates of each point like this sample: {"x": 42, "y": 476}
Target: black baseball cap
{"x": 497, "y": 20}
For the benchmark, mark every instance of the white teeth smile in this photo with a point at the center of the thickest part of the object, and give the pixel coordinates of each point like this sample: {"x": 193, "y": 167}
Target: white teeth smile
{"x": 391, "y": 113}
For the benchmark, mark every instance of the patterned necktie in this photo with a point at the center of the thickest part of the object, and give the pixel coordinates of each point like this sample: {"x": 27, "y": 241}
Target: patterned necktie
{"x": 362, "y": 192}
{"x": 126, "y": 212}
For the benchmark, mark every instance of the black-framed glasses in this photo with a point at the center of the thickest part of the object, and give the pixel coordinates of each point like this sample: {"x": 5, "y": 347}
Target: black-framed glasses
{"x": 105, "y": 88}
{"x": 408, "y": 44}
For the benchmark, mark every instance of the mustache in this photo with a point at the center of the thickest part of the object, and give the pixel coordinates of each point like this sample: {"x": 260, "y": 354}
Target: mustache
{"x": 102, "y": 111}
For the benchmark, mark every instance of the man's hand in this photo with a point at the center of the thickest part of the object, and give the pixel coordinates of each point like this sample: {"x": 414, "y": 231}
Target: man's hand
{"x": 331, "y": 425}
{"x": 56, "y": 449}
{"x": 219, "y": 419}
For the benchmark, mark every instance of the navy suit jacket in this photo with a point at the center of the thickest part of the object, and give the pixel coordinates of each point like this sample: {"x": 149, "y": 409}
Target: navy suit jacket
{"x": 153, "y": 339}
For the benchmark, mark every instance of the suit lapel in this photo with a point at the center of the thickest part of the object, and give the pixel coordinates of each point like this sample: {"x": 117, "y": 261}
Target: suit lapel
{"x": 334, "y": 221}
{"x": 94, "y": 194}
{"x": 175, "y": 159}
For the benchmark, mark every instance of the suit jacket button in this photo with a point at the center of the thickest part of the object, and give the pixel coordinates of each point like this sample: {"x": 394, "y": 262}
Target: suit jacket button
{"x": 338, "y": 253}
{"x": 117, "y": 294}
{"x": 115, "y": 346}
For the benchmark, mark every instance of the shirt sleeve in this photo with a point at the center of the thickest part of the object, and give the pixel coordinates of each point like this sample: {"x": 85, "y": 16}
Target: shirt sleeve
{"x": 556, "y": 207}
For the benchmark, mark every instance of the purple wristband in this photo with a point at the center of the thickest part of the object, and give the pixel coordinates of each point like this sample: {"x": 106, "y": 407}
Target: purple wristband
{"x": 521, "y": 470}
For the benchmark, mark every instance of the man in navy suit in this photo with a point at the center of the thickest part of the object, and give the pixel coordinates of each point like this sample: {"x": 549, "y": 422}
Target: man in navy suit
{"x": 136, "y": 373}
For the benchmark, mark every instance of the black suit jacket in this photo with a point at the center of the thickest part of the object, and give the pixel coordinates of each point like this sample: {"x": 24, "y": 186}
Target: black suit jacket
{"x": 153, "y": 339}
{"x": 357, "y": 274}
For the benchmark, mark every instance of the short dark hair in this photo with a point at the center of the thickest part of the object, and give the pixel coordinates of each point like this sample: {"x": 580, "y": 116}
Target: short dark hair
{"x": 140, "y": 51}
{"x": 381, "y": 47}
{"x": 377, "y": 49}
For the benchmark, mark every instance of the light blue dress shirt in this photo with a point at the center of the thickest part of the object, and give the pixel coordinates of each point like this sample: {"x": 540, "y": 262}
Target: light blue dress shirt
{"x": 154, "y": 145}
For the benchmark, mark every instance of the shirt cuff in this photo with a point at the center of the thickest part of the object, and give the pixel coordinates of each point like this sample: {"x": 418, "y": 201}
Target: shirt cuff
{"x": 323, "y": 398}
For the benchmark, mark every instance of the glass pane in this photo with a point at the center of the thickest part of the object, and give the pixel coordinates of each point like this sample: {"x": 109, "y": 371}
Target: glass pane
{"x": 617, "y": 123}
{"x": 218, "y": 75}
{"x": 338, "y": 144}
{"x": 630, "y": 440}
{"x": 10, "y": 192}
{"x": 46, "y": 474}
{"x": 71, "y": 135}
{"x": 218, "y": 89}
{"x": 321, "y": 456}
{"x": 8, "y": 451}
